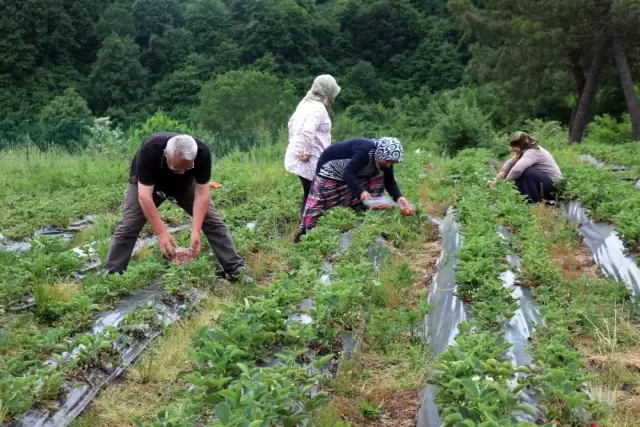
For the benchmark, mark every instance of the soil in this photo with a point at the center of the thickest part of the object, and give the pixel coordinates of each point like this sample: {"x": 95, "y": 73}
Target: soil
{"x": 399, "y": 406}
{"x": 400, "y": 409}
{"x": 630, "y": 359}
{"x": 573, "y": 264}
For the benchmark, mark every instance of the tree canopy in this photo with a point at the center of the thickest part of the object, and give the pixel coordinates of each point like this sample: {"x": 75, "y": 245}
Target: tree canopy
{"x": 565, "y": 60}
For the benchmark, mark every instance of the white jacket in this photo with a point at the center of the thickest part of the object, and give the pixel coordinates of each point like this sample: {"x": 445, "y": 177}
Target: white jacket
{"x": 309, "y": 133}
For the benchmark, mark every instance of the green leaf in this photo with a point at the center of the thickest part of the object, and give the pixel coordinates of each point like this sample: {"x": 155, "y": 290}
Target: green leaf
{"x": 223, "y": 412}
{"x": 243, "y": 368}
{"x": 323, "y": 361}
{"x": 453, "y": 418}
{"x": 527, "y": 409}
{"x": 230, "y": 395}
{"x": 471, "y": 387}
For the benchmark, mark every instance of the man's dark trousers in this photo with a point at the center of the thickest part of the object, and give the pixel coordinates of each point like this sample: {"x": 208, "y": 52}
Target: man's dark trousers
{"x": 133, "y": 220}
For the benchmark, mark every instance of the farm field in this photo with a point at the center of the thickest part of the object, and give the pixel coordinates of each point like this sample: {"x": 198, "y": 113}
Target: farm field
{"x": 479, "y": 310}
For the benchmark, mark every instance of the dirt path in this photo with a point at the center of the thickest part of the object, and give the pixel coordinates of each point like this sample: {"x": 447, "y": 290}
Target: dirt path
{"x": 389, "y": 382}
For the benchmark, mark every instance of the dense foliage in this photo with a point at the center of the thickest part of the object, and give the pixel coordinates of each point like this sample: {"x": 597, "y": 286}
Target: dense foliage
{"x": 131, "y": 57}
{"x": 224, "y": 65}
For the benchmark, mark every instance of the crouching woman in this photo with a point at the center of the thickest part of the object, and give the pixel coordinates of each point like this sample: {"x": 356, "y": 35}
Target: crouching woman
{"x": 532, "y": 168}
{"x": 350, "y": 172}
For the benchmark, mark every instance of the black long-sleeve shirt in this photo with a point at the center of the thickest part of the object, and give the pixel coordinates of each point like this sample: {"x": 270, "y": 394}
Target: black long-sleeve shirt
{"x": 352, "y": 159}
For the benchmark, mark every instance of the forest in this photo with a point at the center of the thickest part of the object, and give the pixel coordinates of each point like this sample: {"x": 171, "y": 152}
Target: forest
{"x": 239, "y": 66}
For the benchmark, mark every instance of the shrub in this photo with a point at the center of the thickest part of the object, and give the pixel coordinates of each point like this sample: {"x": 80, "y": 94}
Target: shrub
{"x": 159, "y": 122}
{"x": 607, "y": 129}
{"x": 245, "y": 101}
{"x": 460, "y": 125}
{"x": 104, "y": 139}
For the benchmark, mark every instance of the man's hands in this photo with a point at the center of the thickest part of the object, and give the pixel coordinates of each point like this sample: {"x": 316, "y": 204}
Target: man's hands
{"x": 304, "y": 157}
{"x": 403, "y": 202}
{"x": 167, "y": 245}
{"x": 365, "y": 196}
{"x": 195, "y": 244}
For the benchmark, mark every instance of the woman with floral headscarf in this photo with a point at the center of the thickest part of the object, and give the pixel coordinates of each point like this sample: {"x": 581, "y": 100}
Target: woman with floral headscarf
{"x": 351, "y": 172}
{"x": 310, "y": 131}
{"x": 532, "y": 168}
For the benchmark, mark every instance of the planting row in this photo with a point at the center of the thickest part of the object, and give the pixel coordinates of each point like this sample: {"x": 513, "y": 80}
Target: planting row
{"x": 606, "y": 197}
{"x": 599, "y": 189}
{"x": 617, "y": 155}
{"x": 261, "y": 361}
{"x": 56, "y": 374}
{"x": 476, "y": 381}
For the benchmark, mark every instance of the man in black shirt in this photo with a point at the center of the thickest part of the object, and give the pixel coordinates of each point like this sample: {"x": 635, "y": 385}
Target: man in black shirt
{"x": 174, "y": 167}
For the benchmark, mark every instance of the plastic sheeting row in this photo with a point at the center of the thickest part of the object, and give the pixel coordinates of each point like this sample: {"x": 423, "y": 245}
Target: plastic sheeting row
{"x": 78, "y": 393}
{"x": 87, "y": 252}
{"x": 589, "y": 158}
{"x": 66, "y": 233}
{"x": 447, "y": 312}
{"x": 607, "y": 248}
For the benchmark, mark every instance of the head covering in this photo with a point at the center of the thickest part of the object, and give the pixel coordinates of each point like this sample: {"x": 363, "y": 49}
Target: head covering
{"x": 324, "y": 89}
{"x": 523, "y": 141}
{"x": 388, "y": 148}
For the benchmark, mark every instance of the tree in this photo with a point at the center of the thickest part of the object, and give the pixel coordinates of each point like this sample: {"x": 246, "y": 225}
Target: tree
{"x": 245, "y": 101}
{"x": 534, "y": 48}
{"x": 380, "y": 29}
{"x": 362, "y": 83}
{"x": 18, "y": 57}
{"x": 116, "y": 19}
{"x": 437, "y": 62}
{"x": 117, "y": 79}
{"x": 626, "y": 81}
{"x": 67, "y": 106}
{"x": 281, "y": 27}
{"x": 167, "y": 53}
{"x": 154, "y": 16}
{"x": 210, "y": 23}
{"x": 586, "y": 92}
{"x": 178, "y": 92}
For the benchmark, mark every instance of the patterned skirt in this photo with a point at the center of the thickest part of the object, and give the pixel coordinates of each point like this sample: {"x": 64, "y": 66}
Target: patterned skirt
{"x": 328, "y": 193}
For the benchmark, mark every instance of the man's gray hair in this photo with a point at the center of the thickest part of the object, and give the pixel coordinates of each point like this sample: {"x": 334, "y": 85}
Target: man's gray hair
{"x": 184, "y": 146}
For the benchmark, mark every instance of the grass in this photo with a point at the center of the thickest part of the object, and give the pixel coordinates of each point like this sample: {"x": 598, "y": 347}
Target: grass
{"x": 85, "y": 184}
{"x": 609, "y": 335}
{"x": 54, "y": 188}
{"x": 378, "y": 386}
{"x": 145, "y": 390}
{"x": 383, "y": 380}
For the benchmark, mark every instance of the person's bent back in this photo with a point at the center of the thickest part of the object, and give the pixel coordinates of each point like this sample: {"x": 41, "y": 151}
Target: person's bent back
{"x": 532, "y": 168}
{"x": 351, "y": 172}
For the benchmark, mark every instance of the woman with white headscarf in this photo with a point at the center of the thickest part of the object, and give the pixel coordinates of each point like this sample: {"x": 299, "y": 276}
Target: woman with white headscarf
{"x": 350, "y": 172}
{"x": 310, "y": 131}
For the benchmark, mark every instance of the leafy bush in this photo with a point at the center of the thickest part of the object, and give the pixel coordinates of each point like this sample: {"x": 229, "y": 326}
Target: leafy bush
{"x": 245, "y": 101}
{"x": 543, "y": 130}
{"x": 159, "y": 122}
{"x": 460, "y": 125}
{"x": 68, "y": 106}
{"x": 403, "y": 117}
{"x": 607, "y": 129}
{"x": 104, "y": 139}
